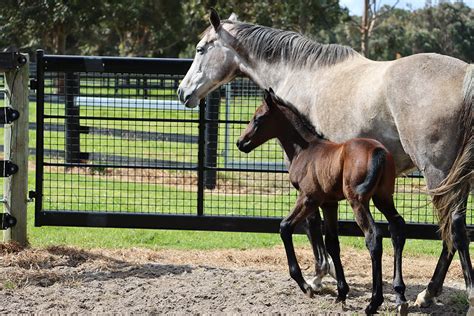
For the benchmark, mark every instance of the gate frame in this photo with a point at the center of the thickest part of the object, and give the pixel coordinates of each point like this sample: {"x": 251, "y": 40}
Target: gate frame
{"x": 205, "y": 166}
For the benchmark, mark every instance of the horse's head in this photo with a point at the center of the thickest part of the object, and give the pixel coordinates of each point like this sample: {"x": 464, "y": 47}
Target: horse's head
{"x": 265, "y": 124}
{"x": 214, "y": 64}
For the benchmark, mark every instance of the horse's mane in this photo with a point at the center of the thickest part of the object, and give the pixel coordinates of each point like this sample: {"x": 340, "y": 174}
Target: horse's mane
{"x": 275, "y": 45}
{"x": 299, "y": 120}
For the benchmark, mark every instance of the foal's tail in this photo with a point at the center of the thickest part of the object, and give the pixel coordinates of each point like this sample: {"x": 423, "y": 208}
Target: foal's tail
{"x": 449, "y": 196}
{"x": 379, "y": 156}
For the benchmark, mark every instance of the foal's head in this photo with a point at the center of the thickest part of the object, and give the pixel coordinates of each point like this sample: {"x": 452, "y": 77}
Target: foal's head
{"x": 267, "y": 123}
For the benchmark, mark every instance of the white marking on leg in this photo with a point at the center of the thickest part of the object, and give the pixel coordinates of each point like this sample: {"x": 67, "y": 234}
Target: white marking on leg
{"x": 332, "y": 268}
{"x": 424, "y": 299}
{"x": 316, "y": 283}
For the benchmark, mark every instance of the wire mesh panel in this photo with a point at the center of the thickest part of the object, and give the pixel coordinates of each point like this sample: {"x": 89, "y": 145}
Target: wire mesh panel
{"x": 115, "y": 148}
{"x": 118, "y": 142}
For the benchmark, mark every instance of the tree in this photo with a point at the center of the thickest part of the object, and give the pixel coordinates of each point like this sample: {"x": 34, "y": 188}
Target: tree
{"x": 49, "y": 24}
{"x": 371, "y": 16}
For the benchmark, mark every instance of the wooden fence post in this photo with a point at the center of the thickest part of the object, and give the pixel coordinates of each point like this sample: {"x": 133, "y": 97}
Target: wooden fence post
{"x": 15, "y": 190}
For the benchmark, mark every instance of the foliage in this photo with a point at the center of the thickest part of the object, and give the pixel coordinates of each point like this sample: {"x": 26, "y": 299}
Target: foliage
{"x": 171, "y": 28}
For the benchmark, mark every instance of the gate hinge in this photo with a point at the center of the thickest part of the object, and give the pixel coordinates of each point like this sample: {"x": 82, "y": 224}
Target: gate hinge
{"x": 8, "y": 115}
{"x": 7, "y": 221}
{"x": 31, "y": 195}
{"x": 33, "y": 84}
{"x": 11, "y": 60}
{"x": 7, "y": 168}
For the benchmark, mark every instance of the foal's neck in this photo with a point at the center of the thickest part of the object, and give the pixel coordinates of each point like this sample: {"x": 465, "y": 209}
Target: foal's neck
{"x": 294, "y": 140}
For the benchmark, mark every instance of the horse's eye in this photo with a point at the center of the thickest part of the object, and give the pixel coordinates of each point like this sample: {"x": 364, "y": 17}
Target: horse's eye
{"x": 258, "y": 120}
{"x": 200, "y": 50}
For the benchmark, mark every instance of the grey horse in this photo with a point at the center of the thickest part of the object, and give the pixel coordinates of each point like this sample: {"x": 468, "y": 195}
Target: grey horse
{"x": 419, "y": 107}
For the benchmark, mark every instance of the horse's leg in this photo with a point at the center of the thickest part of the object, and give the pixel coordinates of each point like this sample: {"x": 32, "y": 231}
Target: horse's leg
{"x": 333, "y": 248}
{"x": 301, "y": 210}
{"x": 435, "y": 287}
{"x": 396, "y": 226}
{"x": 373, "y": 241}
{"x": 323, "y": 262}
{"x": 460, "y": 243}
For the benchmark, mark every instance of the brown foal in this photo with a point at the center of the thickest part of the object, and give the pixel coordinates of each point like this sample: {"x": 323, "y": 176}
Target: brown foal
{"x": 325, "y": 172}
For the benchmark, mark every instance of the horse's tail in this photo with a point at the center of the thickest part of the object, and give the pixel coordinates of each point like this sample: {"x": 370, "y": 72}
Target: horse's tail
{"x": 448, "y": 197}
{"x": 379, "y": 156}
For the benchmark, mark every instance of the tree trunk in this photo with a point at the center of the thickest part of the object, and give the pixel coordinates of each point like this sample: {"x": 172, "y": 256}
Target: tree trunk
{"x": 364, "y": 29}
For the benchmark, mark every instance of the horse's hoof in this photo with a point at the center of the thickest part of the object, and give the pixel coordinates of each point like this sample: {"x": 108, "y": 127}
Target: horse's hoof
{"x": 340, "y": 299}
{"x": 316, "y": 283}
{"x": 424, "y": 299}
{"x": 308, "y": 290}
{"x": 470, "y": 311}
{"x": 402, "y": 309}
{"x": 370, "y": 310}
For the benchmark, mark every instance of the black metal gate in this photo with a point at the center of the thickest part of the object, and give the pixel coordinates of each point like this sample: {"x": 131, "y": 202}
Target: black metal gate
{"x": 115, "y": 149}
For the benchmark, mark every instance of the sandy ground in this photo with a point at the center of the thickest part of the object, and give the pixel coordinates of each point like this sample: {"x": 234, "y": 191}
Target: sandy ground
{"x": 70, "y": 280}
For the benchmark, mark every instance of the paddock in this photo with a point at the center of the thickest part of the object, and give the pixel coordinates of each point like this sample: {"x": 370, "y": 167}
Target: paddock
{"x": 214, "y": 281}
{"x": 113, "y": 148}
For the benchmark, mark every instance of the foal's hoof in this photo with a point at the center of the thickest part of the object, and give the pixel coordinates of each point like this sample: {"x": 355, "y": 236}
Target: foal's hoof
{"x": 341, "y": 299}
{"x": 308, "y": 290}
{"x": 424, "y": 299}
{"x": 373, "y": 306}
{"x": 402, "y": 309}
{"x": 316, "y": 283}
{"x": 371, "y": 310}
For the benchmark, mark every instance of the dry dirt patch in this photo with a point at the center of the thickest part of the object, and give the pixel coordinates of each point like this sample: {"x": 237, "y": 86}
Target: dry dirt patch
{"x": 64, "y": 279}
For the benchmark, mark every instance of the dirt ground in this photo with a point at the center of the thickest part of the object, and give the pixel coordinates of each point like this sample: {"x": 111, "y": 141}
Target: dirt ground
{"x": 70, "y": 280}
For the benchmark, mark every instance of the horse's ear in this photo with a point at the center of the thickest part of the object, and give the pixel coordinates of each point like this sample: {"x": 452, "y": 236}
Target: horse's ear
{"x": 272, "y": 94}
{"x": 233, "y": 17}
{"x": 268, "y": 98}
{"x": 214, "y": 19}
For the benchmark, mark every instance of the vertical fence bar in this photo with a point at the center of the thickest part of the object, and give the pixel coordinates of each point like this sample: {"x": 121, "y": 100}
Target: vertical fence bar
{"x": 16, "y": 150}
{"x": 201, "y": 157}
{"x": 213, "y": 101}
{"x": 39, "y": 135}
{"x": 73, "y": 136}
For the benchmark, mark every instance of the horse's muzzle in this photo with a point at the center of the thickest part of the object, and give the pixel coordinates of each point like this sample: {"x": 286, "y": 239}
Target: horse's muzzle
{"x": 244, "y": 146}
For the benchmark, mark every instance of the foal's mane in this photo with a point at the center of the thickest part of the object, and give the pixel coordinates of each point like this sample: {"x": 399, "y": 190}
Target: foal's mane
{"x": 298, "y": 119}
{"x": 275, "y": 45}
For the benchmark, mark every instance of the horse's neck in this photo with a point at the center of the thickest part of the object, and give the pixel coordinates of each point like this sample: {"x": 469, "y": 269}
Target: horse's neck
{"x": 267, "y": 75}
{"x": 294, "y": 141}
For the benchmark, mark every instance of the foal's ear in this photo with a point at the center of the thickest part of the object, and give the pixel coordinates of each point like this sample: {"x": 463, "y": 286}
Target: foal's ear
{"x": 267, "y": 97}
{"x": 214, "y": 19}
{"x": 272, "y": 95}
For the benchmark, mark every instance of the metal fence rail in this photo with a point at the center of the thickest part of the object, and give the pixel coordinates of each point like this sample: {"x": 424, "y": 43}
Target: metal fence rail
{"x": 115, "y": 149}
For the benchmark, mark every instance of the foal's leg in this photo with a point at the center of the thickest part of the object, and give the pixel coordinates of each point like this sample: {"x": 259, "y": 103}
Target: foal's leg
{"x": 373, "y": 241}
{"x": 396, "y": 226}
{"x": 301, "y": 210}
{"x": 323, "y": 262}
{"x": 332, "y": 246}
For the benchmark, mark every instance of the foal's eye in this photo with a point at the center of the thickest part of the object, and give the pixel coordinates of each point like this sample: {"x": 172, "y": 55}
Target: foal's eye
{"x": 200, "y": 50}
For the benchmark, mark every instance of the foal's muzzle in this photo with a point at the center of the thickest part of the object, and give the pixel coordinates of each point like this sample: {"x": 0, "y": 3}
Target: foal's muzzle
{"x": 244, "y": 146}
